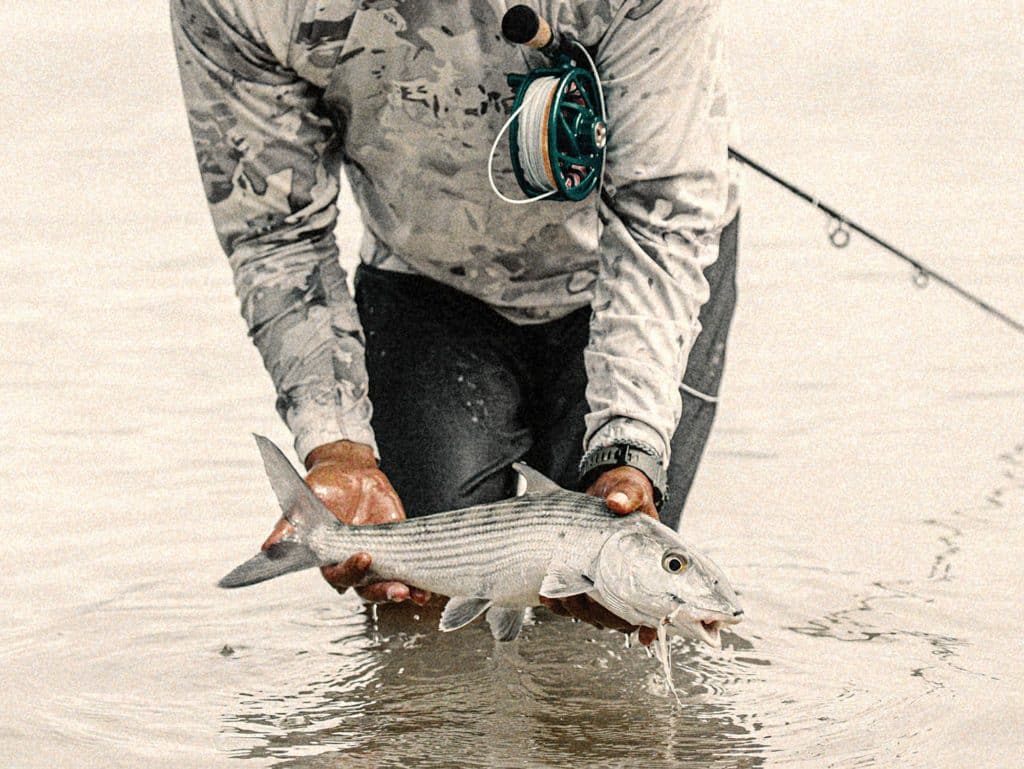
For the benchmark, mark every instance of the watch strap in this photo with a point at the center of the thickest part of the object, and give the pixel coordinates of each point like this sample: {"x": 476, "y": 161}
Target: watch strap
{"x": 641, "y": 457}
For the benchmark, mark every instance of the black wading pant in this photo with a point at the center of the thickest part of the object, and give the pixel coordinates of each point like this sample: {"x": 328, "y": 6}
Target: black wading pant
{"x": 459, "y": 393}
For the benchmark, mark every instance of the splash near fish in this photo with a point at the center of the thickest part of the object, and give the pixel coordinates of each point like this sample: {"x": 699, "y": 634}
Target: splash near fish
{"x": 498, "y": 558}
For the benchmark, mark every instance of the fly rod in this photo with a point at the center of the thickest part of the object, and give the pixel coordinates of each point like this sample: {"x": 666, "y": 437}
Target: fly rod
{"x": 839, "y": 235}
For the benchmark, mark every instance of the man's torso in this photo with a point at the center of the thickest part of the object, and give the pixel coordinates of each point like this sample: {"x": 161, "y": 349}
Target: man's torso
{"x": 419, "y": 91}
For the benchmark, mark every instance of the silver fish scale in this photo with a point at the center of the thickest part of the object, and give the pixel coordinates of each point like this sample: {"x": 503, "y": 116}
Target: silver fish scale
{"x": 500, "y": 551}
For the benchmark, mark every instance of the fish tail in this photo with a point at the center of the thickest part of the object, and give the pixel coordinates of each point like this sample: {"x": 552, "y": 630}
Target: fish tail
{"x": 280, "y": 558}
{"x": 303, "y": 510}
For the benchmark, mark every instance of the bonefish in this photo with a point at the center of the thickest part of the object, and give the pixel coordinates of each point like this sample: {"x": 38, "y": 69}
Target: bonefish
{"x": 498, "y": 558}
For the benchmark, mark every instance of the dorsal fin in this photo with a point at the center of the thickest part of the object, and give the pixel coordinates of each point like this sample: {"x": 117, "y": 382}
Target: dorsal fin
{"x": 536, "y": 481}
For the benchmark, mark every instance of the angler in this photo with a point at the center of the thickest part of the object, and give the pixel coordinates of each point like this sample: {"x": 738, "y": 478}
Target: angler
{"x": 583, "y": 333}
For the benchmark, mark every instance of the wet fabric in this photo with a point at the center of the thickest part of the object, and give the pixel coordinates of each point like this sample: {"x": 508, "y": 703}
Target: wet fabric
{"x": 462, "y": 392}
{"x": 407, "y": 98}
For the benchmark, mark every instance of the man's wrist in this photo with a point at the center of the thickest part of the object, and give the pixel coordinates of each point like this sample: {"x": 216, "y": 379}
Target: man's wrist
{"x": 348, "y": 453}
{"x": 638, "y": 455}
{"x": 632, "y": 431}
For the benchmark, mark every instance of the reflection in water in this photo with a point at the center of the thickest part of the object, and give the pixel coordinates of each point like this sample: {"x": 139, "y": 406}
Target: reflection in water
{"x": 407, "y": 695}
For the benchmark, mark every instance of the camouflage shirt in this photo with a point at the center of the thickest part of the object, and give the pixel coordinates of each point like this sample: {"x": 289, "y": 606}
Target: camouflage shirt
{"x": 407, "y": 98}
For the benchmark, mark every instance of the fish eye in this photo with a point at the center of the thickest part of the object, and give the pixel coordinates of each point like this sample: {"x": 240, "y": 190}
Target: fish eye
{"x": 674, "y": 563}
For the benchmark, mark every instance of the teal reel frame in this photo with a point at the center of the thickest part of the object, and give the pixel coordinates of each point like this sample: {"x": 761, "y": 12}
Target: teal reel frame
{"x": 576, "y": 132}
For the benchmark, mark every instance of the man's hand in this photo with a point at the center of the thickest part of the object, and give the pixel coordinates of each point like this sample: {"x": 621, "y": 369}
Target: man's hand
{"x": 625, "y": 490}
{"x": 345, "y": 477}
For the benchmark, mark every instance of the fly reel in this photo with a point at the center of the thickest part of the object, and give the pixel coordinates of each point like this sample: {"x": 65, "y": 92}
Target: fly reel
{"x": 558, "y": 136}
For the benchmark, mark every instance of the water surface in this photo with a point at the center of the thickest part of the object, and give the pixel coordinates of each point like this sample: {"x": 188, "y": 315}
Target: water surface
{"x": 864, "y": 488}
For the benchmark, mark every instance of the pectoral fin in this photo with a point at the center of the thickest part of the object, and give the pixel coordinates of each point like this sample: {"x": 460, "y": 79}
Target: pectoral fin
{"x": 559, "y": 584}
{"x": 460, "y": 611}
{"x": 505, "y": 623}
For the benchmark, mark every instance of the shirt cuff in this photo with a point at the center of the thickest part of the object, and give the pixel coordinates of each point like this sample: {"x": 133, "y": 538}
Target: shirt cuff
{"x": 315, "y": 424}
{"x": 626, "y": 430}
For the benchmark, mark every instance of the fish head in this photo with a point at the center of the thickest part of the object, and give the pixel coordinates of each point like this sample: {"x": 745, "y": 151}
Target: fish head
{"x": 647, "y": 575}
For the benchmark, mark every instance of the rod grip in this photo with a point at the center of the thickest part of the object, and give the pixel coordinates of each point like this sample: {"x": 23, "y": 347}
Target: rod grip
{"x": 521, "y": 25}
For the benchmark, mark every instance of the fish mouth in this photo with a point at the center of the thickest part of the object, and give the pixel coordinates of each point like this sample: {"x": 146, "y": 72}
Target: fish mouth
{"x": 710, "y": 632}
{"x": 706, "y": 628}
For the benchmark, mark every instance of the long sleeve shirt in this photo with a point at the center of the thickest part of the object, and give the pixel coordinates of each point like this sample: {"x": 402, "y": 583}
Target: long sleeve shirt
{"x": 407, "y": 98}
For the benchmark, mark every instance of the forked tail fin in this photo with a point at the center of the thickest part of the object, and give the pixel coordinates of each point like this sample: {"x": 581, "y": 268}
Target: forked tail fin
{"x": 301, "y": 508}
{"x": 281, "y": 558}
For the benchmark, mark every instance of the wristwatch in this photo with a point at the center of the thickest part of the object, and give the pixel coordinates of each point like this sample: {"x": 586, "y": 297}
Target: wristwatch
{"x": 643, "y": 457}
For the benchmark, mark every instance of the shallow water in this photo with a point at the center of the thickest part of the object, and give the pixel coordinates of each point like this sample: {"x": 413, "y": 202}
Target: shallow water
{"x": 864, "y": 488}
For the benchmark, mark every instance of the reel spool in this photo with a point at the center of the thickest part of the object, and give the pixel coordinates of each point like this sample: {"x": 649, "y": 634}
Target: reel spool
{"x": 558, "y": 136}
